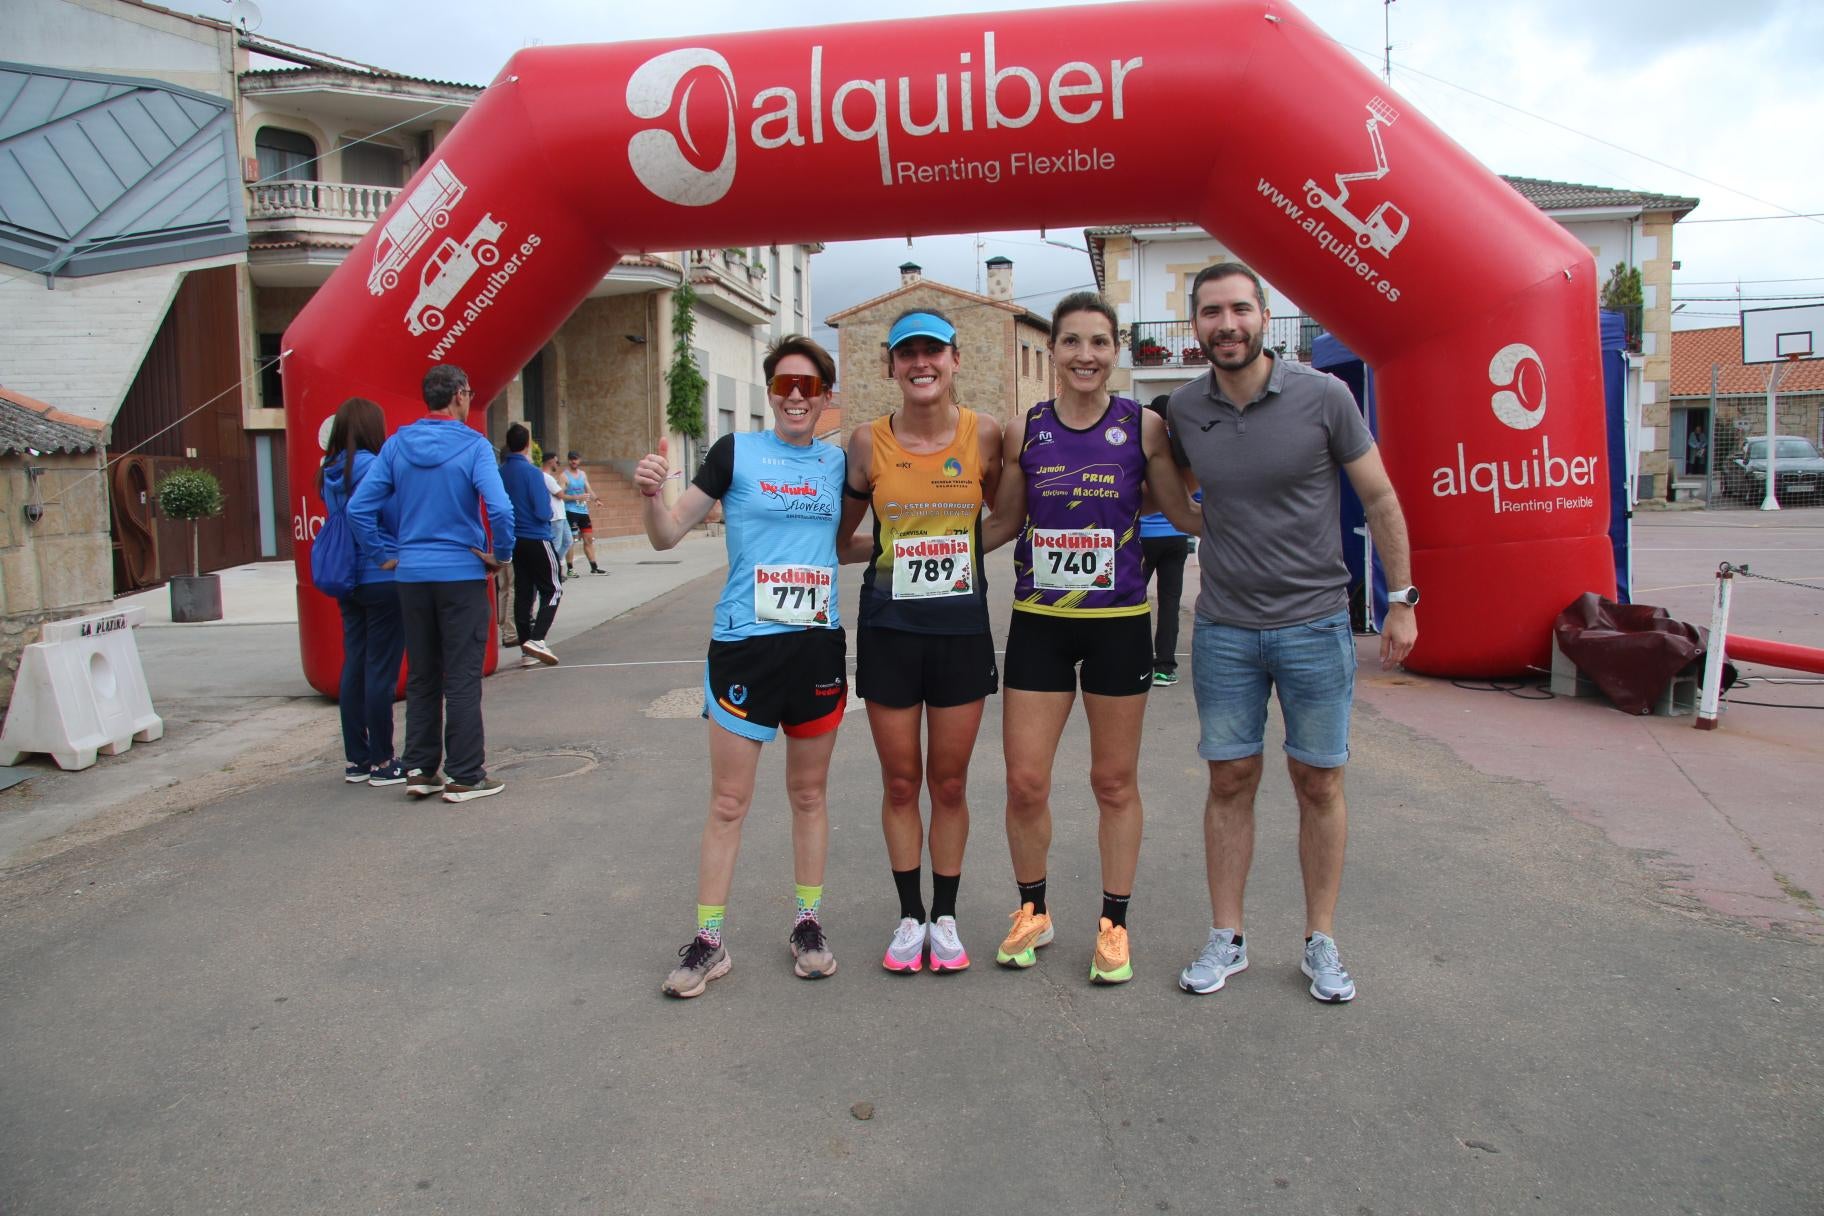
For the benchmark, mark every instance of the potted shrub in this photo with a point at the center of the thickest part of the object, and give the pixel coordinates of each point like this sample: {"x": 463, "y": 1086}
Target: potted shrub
{"x": 190, "y": 495}
{"x": 1150, "y": 354}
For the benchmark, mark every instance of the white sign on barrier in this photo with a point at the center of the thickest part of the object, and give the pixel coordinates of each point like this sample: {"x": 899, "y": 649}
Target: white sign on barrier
{"x": 81, "y": 690}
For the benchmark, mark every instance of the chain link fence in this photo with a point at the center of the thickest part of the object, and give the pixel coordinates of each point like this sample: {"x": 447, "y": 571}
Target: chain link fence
{"x": 1727, "y": 465}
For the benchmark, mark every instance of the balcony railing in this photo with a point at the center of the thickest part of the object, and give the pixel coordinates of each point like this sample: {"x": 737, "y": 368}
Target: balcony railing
{"x": 318, "y": 200}
{"x": 1173, "y": 344}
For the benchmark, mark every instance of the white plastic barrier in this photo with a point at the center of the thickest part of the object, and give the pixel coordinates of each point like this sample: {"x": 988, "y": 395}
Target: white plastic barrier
{"x": 81, "y": 691}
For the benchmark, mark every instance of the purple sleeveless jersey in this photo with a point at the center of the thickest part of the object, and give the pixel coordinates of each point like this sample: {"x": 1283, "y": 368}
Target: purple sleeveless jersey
{"x": 1079, "y": 553}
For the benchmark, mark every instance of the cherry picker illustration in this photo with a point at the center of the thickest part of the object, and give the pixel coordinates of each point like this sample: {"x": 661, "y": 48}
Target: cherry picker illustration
{"x": 1386, "y": 225}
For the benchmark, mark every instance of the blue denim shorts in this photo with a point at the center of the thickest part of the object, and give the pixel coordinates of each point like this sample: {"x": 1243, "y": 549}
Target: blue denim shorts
{"x": 1313, "y": 665}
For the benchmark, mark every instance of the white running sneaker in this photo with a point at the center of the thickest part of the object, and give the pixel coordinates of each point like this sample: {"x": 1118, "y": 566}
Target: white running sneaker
{"x": 906, "y": 952}
{"x": 947, "y": 953}
{"x": 539, "y": 651}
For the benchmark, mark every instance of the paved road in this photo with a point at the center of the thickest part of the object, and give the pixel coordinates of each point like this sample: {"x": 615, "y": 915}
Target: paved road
{"x": 315, "y": 998}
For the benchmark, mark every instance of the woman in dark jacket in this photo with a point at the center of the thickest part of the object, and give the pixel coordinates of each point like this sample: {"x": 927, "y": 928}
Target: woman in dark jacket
{"x": 373, "y": 639}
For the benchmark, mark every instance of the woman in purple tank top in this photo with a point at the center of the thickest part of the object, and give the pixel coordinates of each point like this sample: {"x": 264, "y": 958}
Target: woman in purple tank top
{"x": 1074, "y": 472}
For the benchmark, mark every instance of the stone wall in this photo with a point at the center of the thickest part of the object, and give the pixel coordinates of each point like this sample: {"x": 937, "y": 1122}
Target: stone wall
{"x": 987, "y": 379}
{"x": 600, "y": 386}
{"x": 60, "y": 566}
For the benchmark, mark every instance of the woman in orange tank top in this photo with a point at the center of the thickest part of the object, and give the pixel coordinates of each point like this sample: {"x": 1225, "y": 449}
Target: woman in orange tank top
{"x": 924, "y": 655}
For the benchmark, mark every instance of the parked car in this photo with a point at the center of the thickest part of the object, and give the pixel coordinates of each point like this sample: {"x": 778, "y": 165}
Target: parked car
{"x": 1797, "y": 465}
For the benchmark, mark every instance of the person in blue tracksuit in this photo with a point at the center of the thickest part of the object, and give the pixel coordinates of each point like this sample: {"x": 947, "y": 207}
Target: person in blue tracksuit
{"x": 372, "y": 637}
{"x": 435, "y": 474}
{"x": 1164, "y": 550}
{"x": 534, "y": 557}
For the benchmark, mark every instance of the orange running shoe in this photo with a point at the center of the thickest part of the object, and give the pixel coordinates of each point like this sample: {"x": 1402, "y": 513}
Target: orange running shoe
{"x": 1111, "y": 964}
{"x": 1030, "y": 931}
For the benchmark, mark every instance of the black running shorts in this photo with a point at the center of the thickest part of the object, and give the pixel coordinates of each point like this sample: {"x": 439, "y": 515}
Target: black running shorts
{"x": 797, "y": 680}
{"x": 899, "y": 669}
{"x": 1114, "y": 652}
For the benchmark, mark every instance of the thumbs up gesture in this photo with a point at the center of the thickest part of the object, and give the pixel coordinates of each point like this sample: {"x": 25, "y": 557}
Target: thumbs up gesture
{"x": 650, "y": 474}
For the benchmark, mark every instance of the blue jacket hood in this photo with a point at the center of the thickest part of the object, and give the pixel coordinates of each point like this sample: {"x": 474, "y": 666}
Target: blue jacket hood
{"x": 433, "y": 474}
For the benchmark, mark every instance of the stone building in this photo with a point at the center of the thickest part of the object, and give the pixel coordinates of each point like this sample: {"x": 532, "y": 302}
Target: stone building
{"x": 1005, "y": 361}
{"x": 54, "y": 552}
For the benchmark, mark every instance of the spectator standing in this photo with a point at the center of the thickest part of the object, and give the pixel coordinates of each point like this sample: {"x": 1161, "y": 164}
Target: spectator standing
{"x": 1164, "y": 550}
{"x": 560, "y": 523}
{"x": 535, "y": 577}
{"x": 372, "y": 637}
{"x": 435, "y": 474}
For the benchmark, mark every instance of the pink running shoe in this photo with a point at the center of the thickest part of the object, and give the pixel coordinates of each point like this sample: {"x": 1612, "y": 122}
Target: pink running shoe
{"x": 906, "y": 952}
{"x": 947, "y": 953}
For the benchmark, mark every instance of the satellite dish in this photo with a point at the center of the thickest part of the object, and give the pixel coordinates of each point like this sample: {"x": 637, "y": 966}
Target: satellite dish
{"x": 244, "y": 14}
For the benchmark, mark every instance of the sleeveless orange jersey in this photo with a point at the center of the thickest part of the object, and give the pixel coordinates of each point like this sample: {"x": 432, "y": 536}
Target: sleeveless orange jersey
{"x": 926, "y": 572}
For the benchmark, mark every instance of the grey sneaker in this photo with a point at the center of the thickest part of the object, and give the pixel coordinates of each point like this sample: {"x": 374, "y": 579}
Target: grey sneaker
{"x": 1329, "y": 981}
{"x": 811, "y": 955}
{"x": 702, "y": 962}
{"x": 420, "y": 784}
{"x": 452, "y": 792}
{"x": 947, "y": 953}
{"x": 1222, "y": 957}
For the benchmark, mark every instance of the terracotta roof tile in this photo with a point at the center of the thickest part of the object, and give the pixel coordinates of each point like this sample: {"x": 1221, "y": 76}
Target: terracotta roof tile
{"x": 29, "y": 423}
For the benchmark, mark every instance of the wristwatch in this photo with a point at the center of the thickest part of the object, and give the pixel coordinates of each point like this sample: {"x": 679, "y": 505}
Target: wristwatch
{"x": 1408, "y": 596}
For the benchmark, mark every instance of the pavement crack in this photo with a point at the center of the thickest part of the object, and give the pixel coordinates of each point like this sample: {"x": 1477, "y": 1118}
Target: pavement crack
{"x": 1067, "y": 1009}
{"x": 1799, "y": 896}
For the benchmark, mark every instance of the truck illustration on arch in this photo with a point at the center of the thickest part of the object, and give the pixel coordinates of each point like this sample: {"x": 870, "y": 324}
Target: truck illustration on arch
{"x": 448, "y": 270}
{"x": 427, "y": 208}
{"x": 1386, "y": 225}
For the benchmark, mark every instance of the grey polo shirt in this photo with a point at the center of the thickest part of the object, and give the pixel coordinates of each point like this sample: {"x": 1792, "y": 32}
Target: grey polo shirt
{"x": 1272, "y": 552}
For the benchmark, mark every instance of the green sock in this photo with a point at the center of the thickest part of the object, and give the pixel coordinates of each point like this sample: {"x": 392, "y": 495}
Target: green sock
{"x": 810, "y": 901}
{"x": 709, "y": 922}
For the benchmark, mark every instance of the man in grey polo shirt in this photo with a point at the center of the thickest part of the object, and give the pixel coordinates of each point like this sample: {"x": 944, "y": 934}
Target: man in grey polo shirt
{"x": 1265, "y": 438}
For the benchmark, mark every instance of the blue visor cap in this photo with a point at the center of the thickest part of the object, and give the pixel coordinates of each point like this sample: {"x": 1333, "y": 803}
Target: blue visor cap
{"x": 921, "y": 325}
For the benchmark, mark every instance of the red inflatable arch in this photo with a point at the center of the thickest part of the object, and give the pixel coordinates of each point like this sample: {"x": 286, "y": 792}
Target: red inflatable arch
{"x": 1477, "y": 312}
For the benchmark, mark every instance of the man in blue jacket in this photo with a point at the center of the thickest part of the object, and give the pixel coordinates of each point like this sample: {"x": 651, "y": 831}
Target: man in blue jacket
{"x": 534, "y": 558}
{"x": 435, "y": 472}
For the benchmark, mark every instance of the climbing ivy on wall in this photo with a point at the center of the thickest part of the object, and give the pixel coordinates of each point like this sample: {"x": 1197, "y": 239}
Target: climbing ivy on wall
{"x": 684, "y": 405}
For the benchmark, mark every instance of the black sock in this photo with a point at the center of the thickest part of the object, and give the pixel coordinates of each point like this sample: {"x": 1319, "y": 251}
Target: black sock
{"x": 1032, "y": 893}
{"x": 943, "y": 894}
{"x": 1114, "y": 907}
{"x": 910, "y": 904}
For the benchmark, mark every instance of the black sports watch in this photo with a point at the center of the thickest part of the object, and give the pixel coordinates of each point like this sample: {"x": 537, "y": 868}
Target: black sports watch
{"x": 1408, "y": 596}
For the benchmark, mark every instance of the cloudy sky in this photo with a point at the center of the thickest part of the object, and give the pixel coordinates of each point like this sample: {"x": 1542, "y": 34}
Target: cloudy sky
{"x": 1688, "y": 97}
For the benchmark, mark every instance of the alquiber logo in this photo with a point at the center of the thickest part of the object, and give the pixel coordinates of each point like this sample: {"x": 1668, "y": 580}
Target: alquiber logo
{"x": 1517, "y": 371}
{"x": 657, "y": 156}
{"x": 989, "y": 89}
{"x": 1536, "y": 481}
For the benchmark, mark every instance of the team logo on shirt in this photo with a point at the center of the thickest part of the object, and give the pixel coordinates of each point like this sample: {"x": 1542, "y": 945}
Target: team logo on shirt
{"x": 953, "y": 467}
{"x": 1115, "y": 435}
{"x": 737, "y": 694}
